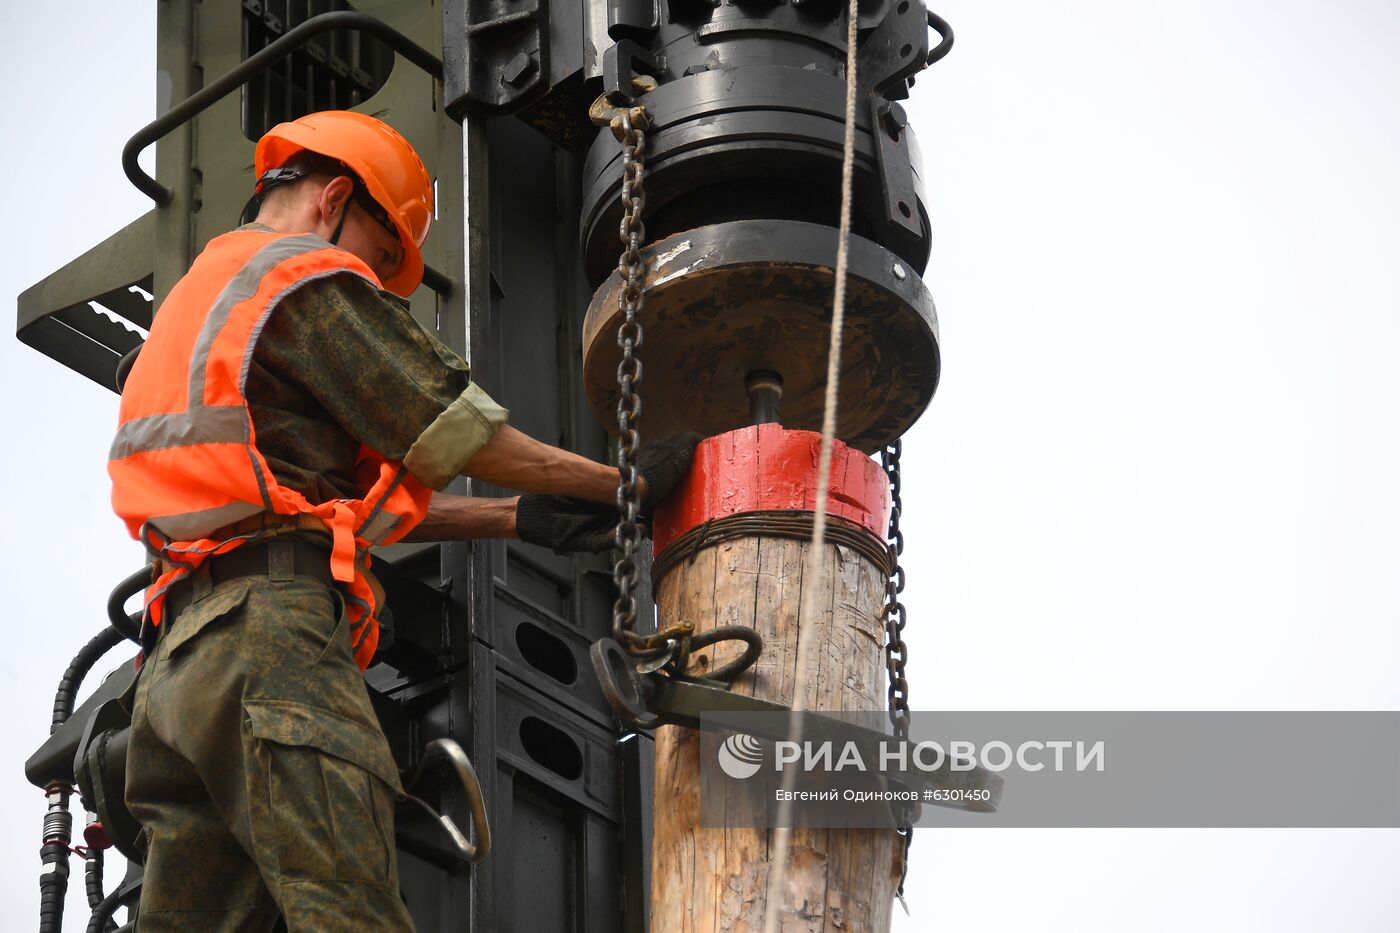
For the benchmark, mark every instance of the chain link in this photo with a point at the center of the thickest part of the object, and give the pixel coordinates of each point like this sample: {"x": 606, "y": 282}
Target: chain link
{"x": 629, "y": 126}
{"x": 896, "y": 616}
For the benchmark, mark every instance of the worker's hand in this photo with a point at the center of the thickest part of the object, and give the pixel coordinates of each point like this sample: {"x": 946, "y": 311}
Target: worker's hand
{"x": 568, "y": 525}
{"x": 662, "y": 464}
{"x": 565, "y": 524}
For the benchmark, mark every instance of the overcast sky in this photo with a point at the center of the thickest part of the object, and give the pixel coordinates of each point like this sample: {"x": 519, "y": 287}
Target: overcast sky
{"x": 1159, "y": 472}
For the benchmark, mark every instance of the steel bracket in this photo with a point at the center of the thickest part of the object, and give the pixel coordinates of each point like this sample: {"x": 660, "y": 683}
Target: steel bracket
{"x": 628, "y": 72}
{"x": 650, "y": 700}
{"x": 502, "y": 59}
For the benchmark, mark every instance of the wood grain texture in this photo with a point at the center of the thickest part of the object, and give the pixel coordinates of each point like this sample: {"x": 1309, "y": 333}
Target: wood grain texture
{"x": 715, "y": 880}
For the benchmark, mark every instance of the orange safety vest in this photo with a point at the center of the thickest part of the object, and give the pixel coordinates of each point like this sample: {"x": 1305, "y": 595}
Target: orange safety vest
{"x": 185, "y": 460}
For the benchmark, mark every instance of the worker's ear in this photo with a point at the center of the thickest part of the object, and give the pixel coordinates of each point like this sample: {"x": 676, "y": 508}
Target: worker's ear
{"x": 334, "y": 200}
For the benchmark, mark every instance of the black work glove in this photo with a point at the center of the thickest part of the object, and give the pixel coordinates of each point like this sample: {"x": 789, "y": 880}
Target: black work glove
{"x": 565, "y": 524}
{"x": 664, "y": 463}
{"x": 568, "y": 525}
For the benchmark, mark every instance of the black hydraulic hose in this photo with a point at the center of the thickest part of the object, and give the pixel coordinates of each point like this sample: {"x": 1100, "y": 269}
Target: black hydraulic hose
{"x": 123, "y": 627}
{"x": 93, "y": 881}
{"x": 102, "y": 913}
{"x": 58, "y": 822}
{"x": 67, "y": 694}
{"x": 53, "y": 877}
{"x": 116, "y": 604}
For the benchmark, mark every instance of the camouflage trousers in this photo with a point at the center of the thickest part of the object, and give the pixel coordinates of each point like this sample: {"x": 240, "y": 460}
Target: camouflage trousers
{"x": 259, "y": 770}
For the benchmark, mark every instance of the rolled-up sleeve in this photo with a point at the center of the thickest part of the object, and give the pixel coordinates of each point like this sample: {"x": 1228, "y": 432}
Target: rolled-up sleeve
{"x": 385, "y": 380}
{"x": 443, "y": 449}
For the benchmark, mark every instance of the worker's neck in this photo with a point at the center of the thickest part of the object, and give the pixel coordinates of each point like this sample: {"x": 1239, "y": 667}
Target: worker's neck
{"x": 285, "y": 222}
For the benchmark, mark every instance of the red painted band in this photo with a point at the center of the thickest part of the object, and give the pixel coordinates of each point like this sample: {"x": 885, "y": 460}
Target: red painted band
{"x": 767, "y": 468}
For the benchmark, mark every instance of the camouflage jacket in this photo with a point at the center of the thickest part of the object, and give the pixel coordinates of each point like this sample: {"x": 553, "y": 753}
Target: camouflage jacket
{"x": 340, "y": 364}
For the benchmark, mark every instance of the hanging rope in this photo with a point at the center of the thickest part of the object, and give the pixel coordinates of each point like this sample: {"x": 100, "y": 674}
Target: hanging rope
{"x": 782, "y": 836}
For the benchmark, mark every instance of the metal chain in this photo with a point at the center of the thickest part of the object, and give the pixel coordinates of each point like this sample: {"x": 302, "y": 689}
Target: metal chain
{"x": 896, "y": 651}
{"x": 629, "y": 126}
{"x": 896, "y": 616}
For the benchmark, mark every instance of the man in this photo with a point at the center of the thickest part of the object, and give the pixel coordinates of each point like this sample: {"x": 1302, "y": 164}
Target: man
{"x": 284, "y": 415}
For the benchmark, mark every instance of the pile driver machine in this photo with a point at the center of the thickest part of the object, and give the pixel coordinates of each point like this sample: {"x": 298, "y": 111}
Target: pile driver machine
{"x": 710, "y": 132}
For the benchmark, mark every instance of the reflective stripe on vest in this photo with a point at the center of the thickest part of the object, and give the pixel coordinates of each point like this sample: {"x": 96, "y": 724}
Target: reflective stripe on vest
{"x": 185, "y": 460}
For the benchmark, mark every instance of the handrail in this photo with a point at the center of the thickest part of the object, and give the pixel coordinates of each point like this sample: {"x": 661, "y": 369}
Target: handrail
{"x": 252, "y": 66}
{"x": 116, "y": 603}
{"x": 466, "y": 850}
{"x": 945, "y": 33}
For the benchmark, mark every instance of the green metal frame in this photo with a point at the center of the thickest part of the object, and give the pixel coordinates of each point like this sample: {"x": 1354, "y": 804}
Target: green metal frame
{"x": 207, "y": 163}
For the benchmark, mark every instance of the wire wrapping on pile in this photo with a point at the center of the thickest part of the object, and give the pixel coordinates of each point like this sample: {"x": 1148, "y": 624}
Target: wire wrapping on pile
{"x": 794, "y": 524}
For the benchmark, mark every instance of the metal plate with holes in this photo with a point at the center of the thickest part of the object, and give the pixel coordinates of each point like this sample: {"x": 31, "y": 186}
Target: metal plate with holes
{"x": 552, "y": 744}
{"x": 552, "y": 786}
{"x": 539, "y": 647}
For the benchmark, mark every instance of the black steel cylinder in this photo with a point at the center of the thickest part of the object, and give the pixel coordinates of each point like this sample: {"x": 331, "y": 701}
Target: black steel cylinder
{"x": 748, "y": 122}
{"x": 765, "y": 391}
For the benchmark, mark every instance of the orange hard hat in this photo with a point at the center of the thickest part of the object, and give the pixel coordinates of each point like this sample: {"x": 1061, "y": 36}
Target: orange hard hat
{"x": 384, "y": 161}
